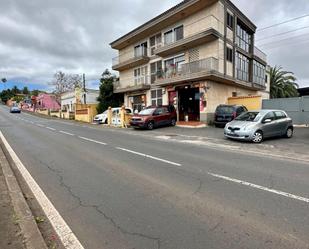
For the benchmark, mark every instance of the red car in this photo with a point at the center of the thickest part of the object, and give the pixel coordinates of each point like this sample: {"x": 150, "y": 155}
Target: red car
{"x": 152, "y": 117}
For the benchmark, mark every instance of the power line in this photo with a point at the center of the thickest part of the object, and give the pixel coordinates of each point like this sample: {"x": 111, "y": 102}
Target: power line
{"x": 306, "y": 27}
{"x": 282, "y": 40}
{"x": 278, "y": 24}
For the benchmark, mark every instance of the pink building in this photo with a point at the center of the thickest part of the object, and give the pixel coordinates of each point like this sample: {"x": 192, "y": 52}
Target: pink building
{"x": 47, "y": 101}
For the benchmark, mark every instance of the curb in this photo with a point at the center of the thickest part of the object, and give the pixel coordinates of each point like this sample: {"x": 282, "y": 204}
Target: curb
{"x": 32, "y": 236}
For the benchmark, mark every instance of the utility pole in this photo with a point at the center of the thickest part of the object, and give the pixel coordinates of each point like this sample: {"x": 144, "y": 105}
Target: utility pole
{"x": 84, "y": 86}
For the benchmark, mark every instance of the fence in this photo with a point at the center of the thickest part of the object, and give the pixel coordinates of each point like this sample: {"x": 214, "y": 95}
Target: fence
{"x": 297, "y": 108}
{"x": 85, "y": 113}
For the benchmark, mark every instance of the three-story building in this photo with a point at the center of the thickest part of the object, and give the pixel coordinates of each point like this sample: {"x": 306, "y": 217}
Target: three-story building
{"x": 194, "y": 56}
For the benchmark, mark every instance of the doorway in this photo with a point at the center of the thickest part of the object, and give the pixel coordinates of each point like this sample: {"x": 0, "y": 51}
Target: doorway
{"x": 189, "y": 104}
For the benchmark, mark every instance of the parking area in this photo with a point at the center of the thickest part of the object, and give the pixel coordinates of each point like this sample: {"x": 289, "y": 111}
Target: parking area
{"x": 297, "y": 147}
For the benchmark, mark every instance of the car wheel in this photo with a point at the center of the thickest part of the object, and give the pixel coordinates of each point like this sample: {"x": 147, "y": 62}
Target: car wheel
{"x": 150, "y": 125}
{"x": 173, "y": 122}
{"x": 289, "y": 132}
{"x": 257, "y": 137}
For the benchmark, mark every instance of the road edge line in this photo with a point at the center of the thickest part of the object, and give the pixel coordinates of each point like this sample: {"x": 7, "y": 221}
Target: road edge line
{"x": 64, "y": 232}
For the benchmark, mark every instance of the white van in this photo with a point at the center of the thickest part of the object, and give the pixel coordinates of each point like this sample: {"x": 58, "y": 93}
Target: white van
{"x": 102, "y": 118}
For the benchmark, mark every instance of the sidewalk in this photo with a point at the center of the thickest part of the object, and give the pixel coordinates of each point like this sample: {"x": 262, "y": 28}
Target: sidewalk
{"x": 10, "y": 233}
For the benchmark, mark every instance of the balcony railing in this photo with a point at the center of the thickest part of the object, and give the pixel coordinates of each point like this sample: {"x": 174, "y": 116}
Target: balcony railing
{"x": 199, "y": 32}
{"x": 139, "y": 83}
{"x": 189, "y": 71}
{"x": 259, "y": 53}
{"x": 131, "y": 59}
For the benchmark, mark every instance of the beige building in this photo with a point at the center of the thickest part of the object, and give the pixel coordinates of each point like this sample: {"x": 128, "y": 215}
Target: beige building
{"x": 195, "y": 56}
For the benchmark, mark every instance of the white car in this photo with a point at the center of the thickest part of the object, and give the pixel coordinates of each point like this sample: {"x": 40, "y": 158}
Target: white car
{"x": 102, "y": 118}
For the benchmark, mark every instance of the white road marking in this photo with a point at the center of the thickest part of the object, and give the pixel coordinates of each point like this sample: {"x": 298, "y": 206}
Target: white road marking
{"x": 91, "y": 140}
{"x": 67, "y": 133}
{"x": 40, "y": 125}
{"x": 148, "y": 156}
{"x": 68, "y": 238}
{"x": 50, "y": 128}
{"x": 252, "y": 185}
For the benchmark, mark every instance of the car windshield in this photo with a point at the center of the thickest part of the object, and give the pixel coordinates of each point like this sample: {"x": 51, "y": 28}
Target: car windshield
{"x": 225, "y": 109}
{"x": 249, "y": 116}
{"x": 105, "y": 112}
{"x": 147, "y": 111}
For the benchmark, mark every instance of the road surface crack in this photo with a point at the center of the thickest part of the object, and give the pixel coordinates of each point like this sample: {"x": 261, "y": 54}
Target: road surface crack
{"x": 98, "y": 209}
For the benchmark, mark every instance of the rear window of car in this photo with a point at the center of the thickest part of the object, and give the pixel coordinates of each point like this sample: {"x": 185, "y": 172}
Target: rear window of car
{"x": 225, "y": 109}
{"x": 280, "y": 115}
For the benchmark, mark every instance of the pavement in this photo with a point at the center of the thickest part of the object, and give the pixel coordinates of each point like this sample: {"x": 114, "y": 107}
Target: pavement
{"x": 10, "y": 233}
{"x": 169, "y": 188}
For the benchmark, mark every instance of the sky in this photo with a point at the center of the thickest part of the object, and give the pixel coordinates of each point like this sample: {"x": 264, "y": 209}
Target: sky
{"x": 39, "y": 38}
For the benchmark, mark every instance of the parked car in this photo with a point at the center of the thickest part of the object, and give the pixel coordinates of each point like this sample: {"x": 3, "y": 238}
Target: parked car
{"x": 152, "y": 117}
{"x": 102, "y": 118}
{"x": 256, "y": 125}
{"x": 15, "y": 109}
{"x": 227, "y": 113}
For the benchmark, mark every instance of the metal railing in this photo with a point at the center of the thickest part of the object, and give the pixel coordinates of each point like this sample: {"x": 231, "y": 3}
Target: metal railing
{"x": 136, "y": 53}
{"x": 137, "y": 81}
{"x": 204, "y": 65}
{"x": 259, "y": 53}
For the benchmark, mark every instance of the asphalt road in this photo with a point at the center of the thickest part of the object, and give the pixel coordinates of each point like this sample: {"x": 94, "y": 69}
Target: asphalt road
{"x": 119, "y": 190}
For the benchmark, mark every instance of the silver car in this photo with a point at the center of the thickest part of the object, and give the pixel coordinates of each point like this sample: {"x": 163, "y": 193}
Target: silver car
{"x": 256, "y": 125}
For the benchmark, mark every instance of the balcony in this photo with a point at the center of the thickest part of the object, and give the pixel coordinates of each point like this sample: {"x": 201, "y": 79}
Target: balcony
{"x": 129, "y": 60}
{"x": 205, "y": 30}
{"x": 193, "y": 71}
{"x": 260, "y": 54}
{"x": 140, "y": 83}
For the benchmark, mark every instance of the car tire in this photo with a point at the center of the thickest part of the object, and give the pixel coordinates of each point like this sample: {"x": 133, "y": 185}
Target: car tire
{"x": 289, "y": 132}
{"x": 258, "y": 137}
{"x": 173, "y": 122}
{"x": 150, "y": 125}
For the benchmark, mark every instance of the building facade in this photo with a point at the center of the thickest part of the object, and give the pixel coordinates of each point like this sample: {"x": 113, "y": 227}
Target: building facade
{"x": 47, "y": 101}
{"x": 194, "y": 56}
{"x": 78, "y": 96}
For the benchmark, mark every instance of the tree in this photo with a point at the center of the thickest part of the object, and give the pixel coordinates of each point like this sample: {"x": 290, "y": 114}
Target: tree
{"x": 282, "y": 83}
{"x": 4, "y": 80}
{"x": 35, "y": 92}
{"x": 15, "y": 90}
{"x": 65, "y": 82}
{"x": 5, "y": 95}
{"x": 25, "y": 90}
{"x": 107, "y": 96}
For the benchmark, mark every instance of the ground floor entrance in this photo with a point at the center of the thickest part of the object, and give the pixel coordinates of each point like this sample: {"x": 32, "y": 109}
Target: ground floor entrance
{"x": 188, "y": 103}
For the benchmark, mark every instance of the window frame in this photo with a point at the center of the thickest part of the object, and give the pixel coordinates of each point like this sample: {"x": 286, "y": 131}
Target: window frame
{"x": 229, "y": 20}
{"x": 173, "y": 32}
{"x": 156, "y": 97}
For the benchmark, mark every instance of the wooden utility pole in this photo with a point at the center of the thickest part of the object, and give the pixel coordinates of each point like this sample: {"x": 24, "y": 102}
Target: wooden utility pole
{"x": 84, "y": 88}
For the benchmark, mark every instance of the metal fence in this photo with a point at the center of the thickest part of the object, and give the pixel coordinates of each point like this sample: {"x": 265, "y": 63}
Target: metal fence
{"x": 297, "y": 108}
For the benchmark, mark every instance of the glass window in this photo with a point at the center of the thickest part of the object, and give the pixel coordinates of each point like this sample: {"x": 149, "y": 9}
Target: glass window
{"x": 229, "y": 54}
{"x": 259, "y": 73}
{"x": 229, "y": 20}
{"x": 173, "y": 35}
{"x": 242, "y": 67}
{"x": 270, "y": 115}
{"x": 243, "y": 38}
{"x": 280, "y": 115}
{"x": 156, "y": 97}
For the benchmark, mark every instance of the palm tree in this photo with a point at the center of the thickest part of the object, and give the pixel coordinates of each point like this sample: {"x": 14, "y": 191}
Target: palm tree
{"x": 282, "y": 83}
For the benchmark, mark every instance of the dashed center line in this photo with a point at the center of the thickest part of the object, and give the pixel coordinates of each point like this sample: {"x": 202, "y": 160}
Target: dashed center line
{"x": 252, "y": 185}
{"x": 67, "y": 133}
{"x": 40, "y": 125}
{"x": 50, "y": 128}
{"x": 91, "y": 140}
{"x": 149, "y": 156}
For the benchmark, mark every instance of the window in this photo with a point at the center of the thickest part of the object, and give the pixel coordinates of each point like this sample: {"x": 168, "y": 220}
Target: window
{"x": 173, "y": 35}
{"x": 280, "y": 115}
{"x": 156, "y": 97}
{"x": 229, "y": 20}
{"x": 140, "y": 75}
{"x": 140, "y": 50}
{"x": 242, "y": 67}
{"x": 229, "y": 54}
{"x": 243, "y": 38}
{"x": 259, "y": 73}
{"x": 155, "y": 42}
{"x": 270, "y": 116}
{"x": 173, "y": 65}
{"x": 156, "y": 71}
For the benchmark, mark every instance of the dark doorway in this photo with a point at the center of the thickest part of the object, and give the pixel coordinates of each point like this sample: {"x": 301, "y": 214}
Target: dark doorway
{"x": 189, "y": 104}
